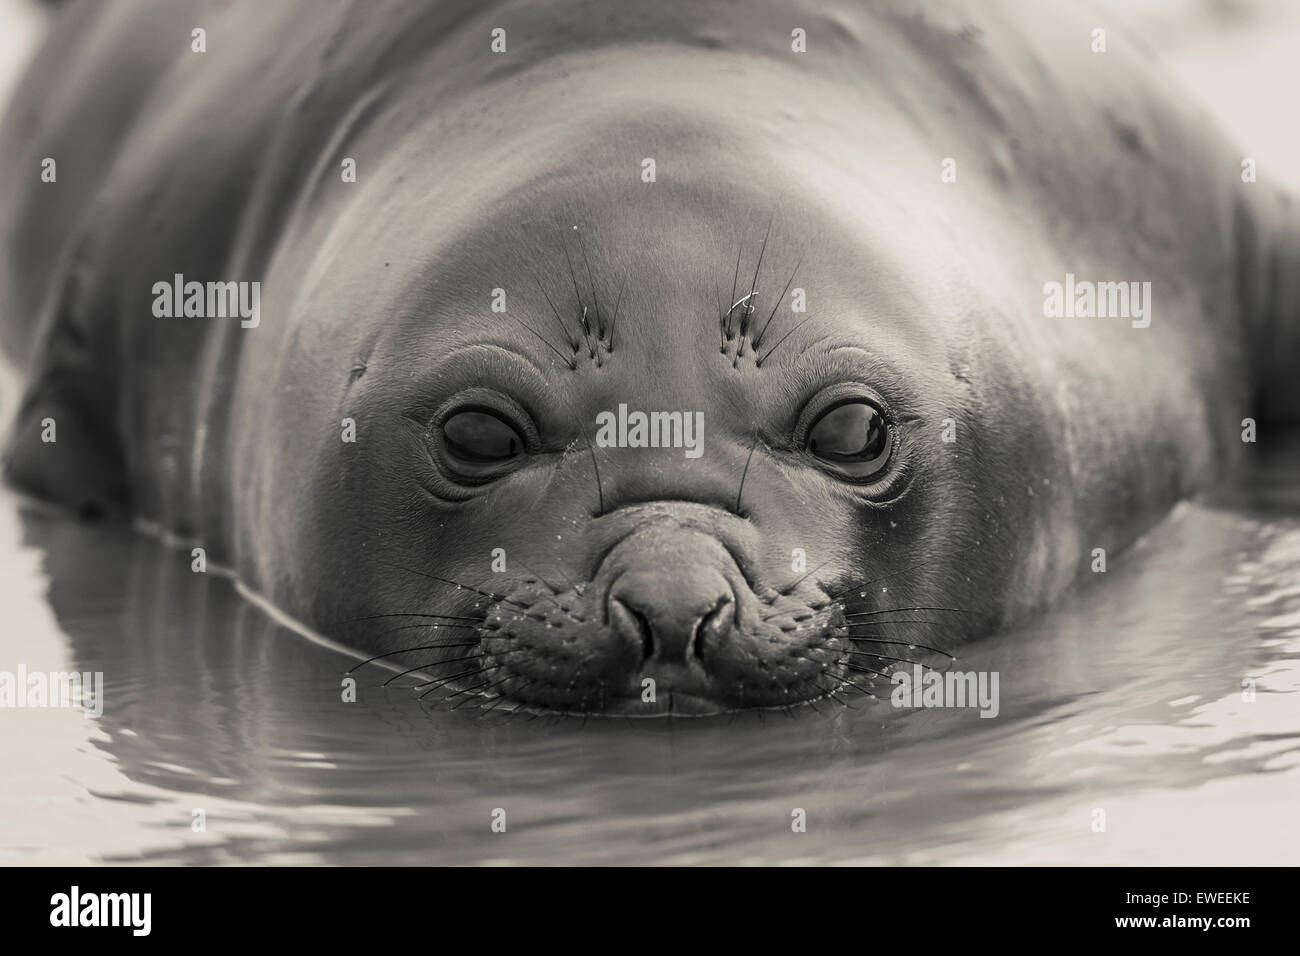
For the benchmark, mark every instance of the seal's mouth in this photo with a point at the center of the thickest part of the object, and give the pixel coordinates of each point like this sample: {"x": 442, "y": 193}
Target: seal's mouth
{"x": 651, "y": 659}
{"x": 667, "y": 623}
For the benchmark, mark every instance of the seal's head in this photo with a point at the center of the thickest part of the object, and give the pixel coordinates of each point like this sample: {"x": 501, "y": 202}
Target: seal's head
{"x": 623, "y": 494}
{"x": 637, "y": 490}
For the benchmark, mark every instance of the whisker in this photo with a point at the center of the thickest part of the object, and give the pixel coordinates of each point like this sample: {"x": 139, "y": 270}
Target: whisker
{"x": 406, "y": 650}
{"x": 502, "y": 697}
{"x": 740, "y": 338}
{"x": 722, "y": 318}
{"x": 741, "y": 489}
{"x": 886, "y": 657}
{"x": 467, "y": 699}
{"x": 431, "y": 664}
{"x": 884, "y": 623}
{"x": 777, "y": 304}
{"x": 457, "y": 584}
{"x": 905, "y": 660}
{"x": 744, "y": 319}
{"x": 600, "y": 491}
{"x": 497, "y": 659}
{"x": 841, "y": 677}
{"x": 566, "y": 359}
{"x": 803, "y": 681}
{"x": 915, "y": 607}
{"x": 433, "y": 685}
{"x": 496, "y": 684}
{"x": 586, "y": 335}
{"x": 559, "y": 319}
{"x": 461, "y": 691}
{"x": 473, "y": 687}
{"x": 424, "y": 614}
{"x": 863, "y": 670}
{"x": 435, "y": 626}
{"x": 735, "y": 279}
{"x": 768, "y": 354}
{"x": 908, "y": 644}
{"x": 789, "y": 589}
{"x": 572, "y": 274}
{"x": 810, "y": 701}
{"x": 472, "y": 697}
{"x": 600, "y": 323}
{"x": 844, "y": 679}
{"x": 438, "y": 663}
{"x": 855, "y": 685}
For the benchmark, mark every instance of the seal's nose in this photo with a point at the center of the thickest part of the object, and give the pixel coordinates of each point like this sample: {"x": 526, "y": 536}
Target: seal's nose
{"x": 676, "y": 613}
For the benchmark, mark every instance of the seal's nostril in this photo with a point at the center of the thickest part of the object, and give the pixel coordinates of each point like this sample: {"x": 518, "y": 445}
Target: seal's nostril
{"x": 712, "y": 623}
{"x": 672, "y": 610}
{"x": 642, "y": 625}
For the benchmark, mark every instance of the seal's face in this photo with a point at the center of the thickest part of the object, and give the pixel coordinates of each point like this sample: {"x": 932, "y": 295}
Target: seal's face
{"x": 677, "y": 602}
{"x": 638, "y": 491}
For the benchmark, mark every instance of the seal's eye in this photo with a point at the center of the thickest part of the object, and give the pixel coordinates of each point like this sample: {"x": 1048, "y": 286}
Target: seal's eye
{"x": 477, "y": 437}
{"x": 852, "y": 437}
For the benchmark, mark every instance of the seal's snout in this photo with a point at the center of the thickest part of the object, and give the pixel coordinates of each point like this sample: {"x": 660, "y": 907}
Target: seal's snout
{"x": 674, "y": 618}
{"x": 673, "y": 612}
{"x": 671, "y": 607}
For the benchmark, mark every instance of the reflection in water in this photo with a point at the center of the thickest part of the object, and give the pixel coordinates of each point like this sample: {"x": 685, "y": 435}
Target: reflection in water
{"x": 1128, "y": 699}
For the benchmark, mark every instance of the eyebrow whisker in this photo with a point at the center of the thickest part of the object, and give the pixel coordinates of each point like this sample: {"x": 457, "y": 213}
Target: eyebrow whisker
{"x": 564, "y": 331}
{"x": 734, "y": 280}
{"x": 753, "y": 286}
{"x": 567, "y": 360}
{"x": 777, "y": 304}
{"x": 600, "y": 323}
{"x": 767, "y": 354}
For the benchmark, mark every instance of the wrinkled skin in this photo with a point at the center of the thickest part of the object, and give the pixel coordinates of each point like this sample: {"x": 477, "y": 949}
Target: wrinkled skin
{"x": 522, "y": 172}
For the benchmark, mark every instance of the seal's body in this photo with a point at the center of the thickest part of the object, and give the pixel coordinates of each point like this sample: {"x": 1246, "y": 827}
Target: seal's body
{"x": 566, "y": 214}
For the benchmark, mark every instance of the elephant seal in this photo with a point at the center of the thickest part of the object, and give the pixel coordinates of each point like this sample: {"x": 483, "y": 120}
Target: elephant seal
{"x": 834, "y": 243}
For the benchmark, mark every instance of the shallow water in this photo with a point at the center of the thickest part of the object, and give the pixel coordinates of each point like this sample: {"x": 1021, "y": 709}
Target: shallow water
{"x": 1128, "y": 698}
